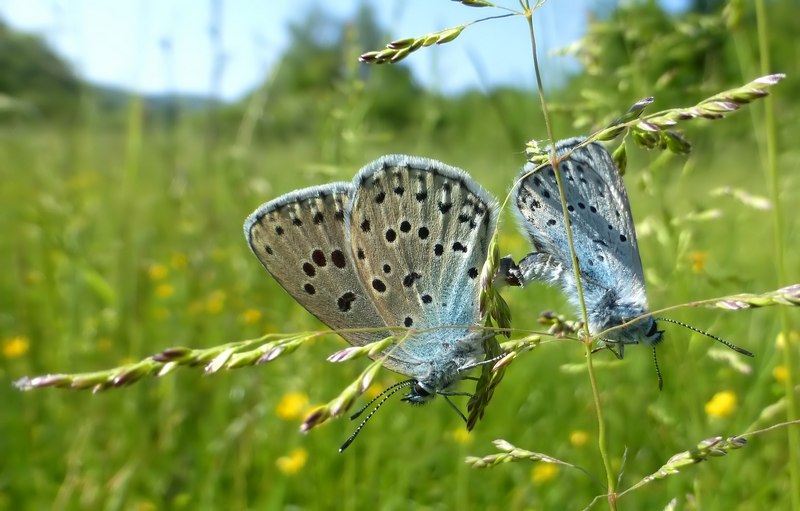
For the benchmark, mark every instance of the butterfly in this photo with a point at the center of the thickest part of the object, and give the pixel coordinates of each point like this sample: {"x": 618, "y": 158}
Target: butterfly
{"x": 604, "y": 238}
{"x": 402, "y": 245}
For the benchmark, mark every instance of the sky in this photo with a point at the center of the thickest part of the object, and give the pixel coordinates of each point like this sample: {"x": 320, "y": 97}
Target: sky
{"x": 160, "y": 46}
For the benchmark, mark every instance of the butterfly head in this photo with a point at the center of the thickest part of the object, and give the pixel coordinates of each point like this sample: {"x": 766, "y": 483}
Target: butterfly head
{"x": 636, "y": 331}
{"x": 653, "y": 335}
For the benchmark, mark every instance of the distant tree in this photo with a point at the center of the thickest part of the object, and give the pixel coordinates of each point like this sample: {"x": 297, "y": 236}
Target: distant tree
{"x": 638, "y": 49}
{"x": 319, "y": 67}
{"x": 32, "y": 74}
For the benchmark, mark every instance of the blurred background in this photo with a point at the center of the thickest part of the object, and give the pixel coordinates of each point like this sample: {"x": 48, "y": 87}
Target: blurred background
{"x": 135, "y": 137}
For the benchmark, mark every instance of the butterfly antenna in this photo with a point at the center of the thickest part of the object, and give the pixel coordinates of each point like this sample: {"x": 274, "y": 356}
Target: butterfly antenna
{"x": 401, "y": 384}
{"x": 453, "y": 406}
{"x": 723, "y": 341}
{"x": 658, "y": 370}
{"x": 388, "y": 393}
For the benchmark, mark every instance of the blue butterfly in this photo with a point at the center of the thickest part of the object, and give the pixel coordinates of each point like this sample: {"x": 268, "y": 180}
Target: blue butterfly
{"x": 604, "y": 238}
{"x": 402, "y": 245}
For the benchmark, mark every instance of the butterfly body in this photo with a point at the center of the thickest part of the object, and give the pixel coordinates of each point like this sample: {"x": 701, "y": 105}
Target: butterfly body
{"x": 401, "y": 246}
{"x": 604, "y": 238}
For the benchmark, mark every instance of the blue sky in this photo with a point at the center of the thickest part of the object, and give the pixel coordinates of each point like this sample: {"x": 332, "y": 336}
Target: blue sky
{"x": 121, "y": 42}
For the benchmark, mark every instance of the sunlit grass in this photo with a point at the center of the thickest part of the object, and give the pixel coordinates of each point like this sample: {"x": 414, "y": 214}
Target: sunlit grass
{"x": 99, "y": 275}
{"x": 192, "y": 436}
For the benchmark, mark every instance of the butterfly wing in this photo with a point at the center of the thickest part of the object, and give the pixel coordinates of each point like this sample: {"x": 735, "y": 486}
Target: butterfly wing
{"x": 428, "y": 227}
{"x": 301, "y": 240}
{"x": 604, "y": 236}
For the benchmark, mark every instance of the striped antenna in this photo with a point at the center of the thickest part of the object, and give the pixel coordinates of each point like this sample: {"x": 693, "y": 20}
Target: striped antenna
{"x": 723, "y": 341}
{"x": 387, "y": 394}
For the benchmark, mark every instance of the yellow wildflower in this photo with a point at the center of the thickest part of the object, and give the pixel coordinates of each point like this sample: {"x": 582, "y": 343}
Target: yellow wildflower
{"x": 157, "y": 271}
{"x": 251, "y": 316}
{"x": 104, "y": 344}
{"x": 145, "y": 505}
{"x": 196, "y": 307}
{"x": 780, "y": 373}
{"x": 15, "y": 347}
{"x": 373, "y": 390}
{"x": 215, "y": 302}
{"x": 543, "y": 472}
{"x": 722, "y": 404}
{"x": 33, "y": 278}
{"x": 698, "y": 260}
{"x": 794, "y": 338}
{"x": 164, "y": 290}
{"x": 218, "y": 255}
{"x": 461, "y": 435}
{"x": 292, "y": 406}
{"x": 179, "y": 261}
{"x": 578, "y": 438}
{"x": 294, "y": 462}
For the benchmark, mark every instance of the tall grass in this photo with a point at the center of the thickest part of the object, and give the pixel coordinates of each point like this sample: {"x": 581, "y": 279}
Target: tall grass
{"x": 121, "y": 251}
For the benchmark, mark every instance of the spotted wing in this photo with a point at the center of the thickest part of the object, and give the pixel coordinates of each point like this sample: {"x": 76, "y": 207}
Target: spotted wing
{"x": 603, "y": 230}
{"x": 420, "y": 231}
{"x": 301, "y": 240}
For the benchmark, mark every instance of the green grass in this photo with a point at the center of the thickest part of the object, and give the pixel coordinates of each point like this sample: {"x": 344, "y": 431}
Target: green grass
{"x": 79, "y": 249}
{"x": 120, "y": 240}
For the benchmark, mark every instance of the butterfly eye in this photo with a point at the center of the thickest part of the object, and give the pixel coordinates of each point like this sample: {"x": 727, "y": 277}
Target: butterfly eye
{"x": 653, "y": 329}
{"x": 420, "y": 390}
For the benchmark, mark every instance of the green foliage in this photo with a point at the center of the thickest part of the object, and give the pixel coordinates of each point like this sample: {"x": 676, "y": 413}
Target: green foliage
{"x": 122, "y": 237}
{"x": 320, "y": 63}
{"x": 640, "y": 50}
{"x": 38, "y": 80}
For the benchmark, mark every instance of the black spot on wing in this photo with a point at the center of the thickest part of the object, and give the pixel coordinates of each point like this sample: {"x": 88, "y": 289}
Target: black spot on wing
{"x": 409, "y": 279}
{"x": 337, "y": 256}
{"x": 345, "y": 302}
{"x": 319, "y": 258}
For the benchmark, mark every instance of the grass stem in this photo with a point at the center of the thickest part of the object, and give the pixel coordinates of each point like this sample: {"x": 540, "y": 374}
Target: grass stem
{"x": 601, "y": 430}
{"x": 770, "y": 155}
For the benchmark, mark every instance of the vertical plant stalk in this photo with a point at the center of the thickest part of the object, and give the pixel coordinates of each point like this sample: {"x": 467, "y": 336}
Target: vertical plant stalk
{"x": 773, "y": 179}
{"x": 134, "y": 133}
{"x": 611, "y": 481}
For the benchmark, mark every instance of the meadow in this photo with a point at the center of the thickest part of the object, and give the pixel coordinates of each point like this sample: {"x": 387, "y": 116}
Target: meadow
{"x": 123, "y": 237}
